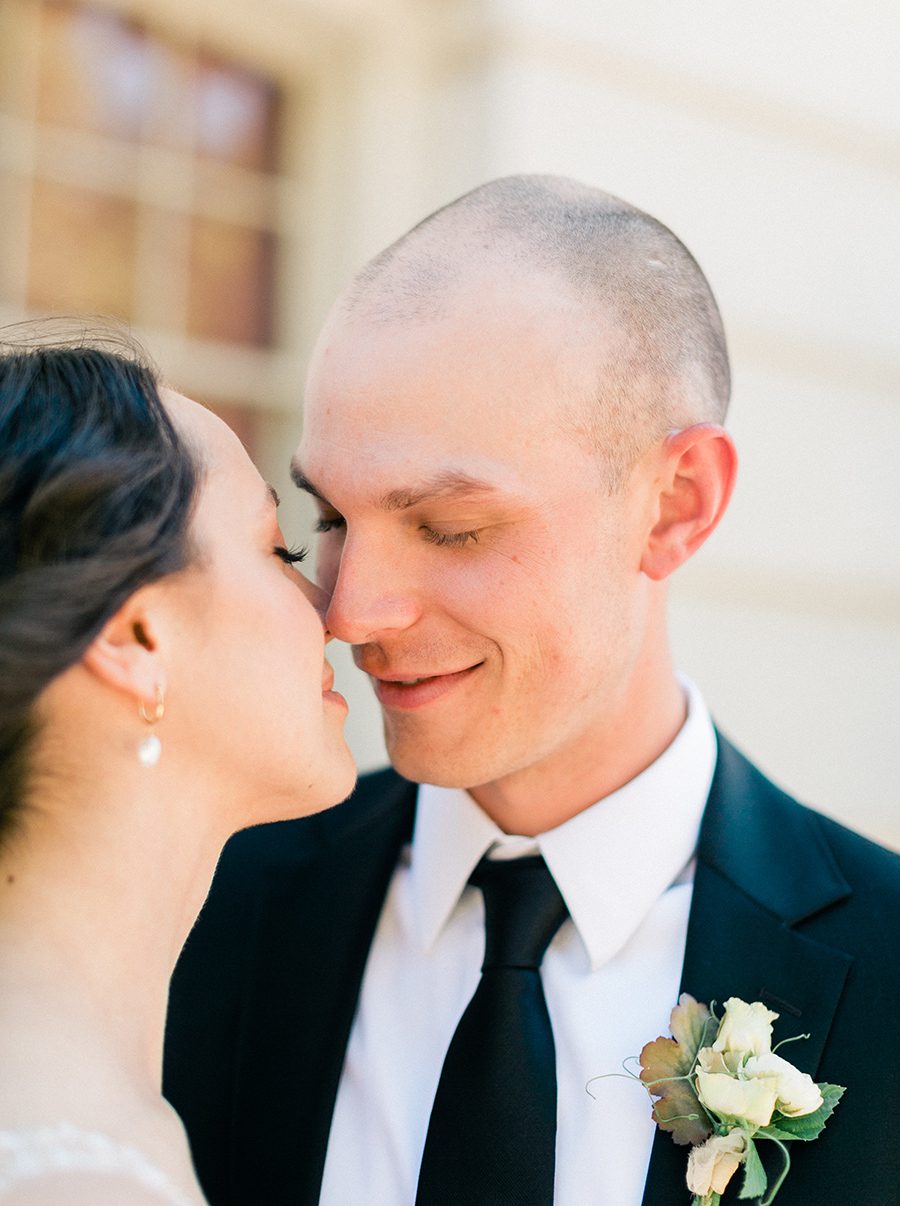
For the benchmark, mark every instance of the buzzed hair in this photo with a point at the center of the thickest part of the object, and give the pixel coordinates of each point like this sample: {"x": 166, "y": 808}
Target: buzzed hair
{"x": 627, "y": 273}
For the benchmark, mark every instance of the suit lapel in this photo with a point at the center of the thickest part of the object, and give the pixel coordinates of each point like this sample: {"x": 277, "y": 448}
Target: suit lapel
{"x": 311, "y": 952}
{"x": 762, "y": 869}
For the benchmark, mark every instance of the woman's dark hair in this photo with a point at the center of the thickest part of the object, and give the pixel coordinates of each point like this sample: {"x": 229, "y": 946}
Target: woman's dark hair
{"x": 96, "y": 495}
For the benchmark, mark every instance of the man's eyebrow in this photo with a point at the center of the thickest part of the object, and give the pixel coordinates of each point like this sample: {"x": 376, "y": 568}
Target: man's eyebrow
{"x": 302, "y": 482}
{"x": 446, "y": 484}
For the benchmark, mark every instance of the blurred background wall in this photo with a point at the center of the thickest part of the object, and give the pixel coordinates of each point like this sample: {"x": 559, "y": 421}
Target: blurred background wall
{"x": 212, "y": 172}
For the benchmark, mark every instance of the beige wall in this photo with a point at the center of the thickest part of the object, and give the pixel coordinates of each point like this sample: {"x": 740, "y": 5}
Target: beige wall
{"x": 768, "y": 137}
{"x": 771, "y": 143}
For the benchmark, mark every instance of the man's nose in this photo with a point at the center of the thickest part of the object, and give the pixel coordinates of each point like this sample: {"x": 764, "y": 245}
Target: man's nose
{"x": 371, "y": 595}
{"x": 315, "y": 594}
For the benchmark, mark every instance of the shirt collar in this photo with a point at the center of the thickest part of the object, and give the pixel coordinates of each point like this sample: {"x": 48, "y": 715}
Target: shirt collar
{"x": 611, "y": 861}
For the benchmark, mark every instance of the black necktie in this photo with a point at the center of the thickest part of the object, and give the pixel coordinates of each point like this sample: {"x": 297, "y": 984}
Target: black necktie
{"x": 492, "y": 1134}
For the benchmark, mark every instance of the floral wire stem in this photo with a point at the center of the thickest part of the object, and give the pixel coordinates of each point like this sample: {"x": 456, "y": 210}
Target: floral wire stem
{"x": 625, "y": 1075}
{"x": 661, "y": 1080}
{"x": 794, "y": 1038}
{"x": 770, "y": 1196}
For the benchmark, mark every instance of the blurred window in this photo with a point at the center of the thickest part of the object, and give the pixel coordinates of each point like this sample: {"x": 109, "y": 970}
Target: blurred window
{"x": 139, "y": 180}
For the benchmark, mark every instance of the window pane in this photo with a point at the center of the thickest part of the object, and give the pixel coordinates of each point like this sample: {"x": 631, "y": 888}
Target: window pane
{"x": 81, "y": 251}
{"x": 236, "y": 115}
{"x": 243, "y": 420}
{"x": 96, "y": 72}
{"x": 230, "y": 288}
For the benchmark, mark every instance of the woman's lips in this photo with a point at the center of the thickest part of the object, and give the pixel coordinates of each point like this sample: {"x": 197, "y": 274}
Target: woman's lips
{"x": 328, "y": 692}
{"x": 412, "y": 692}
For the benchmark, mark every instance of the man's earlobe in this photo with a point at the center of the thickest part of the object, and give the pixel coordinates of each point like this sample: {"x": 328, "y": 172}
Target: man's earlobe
{"x": 698, "y": 475}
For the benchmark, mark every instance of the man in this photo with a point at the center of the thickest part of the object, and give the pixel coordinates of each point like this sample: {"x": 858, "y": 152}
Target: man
{"x": 513, "y": 435}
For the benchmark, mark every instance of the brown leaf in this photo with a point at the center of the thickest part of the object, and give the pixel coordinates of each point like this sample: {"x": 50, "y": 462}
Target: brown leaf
{"x": 692, "y": 1026}
{"x": 665, "y": 1066}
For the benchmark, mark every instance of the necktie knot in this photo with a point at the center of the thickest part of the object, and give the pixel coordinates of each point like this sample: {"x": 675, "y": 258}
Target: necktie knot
{"x": 523, "y": 909}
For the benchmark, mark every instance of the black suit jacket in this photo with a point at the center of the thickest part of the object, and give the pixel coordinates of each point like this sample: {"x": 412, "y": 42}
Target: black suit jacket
{"x": 788, "y": 908}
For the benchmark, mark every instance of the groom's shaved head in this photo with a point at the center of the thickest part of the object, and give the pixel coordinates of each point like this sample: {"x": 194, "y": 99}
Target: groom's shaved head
{"x": 484, "y": 433}
{"x": 640, "y": 305}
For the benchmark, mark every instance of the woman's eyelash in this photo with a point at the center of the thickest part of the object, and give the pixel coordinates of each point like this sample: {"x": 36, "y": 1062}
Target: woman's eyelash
{"x": 447, "y": 539}
{"x": 291, "y": 556}
{"x": 327, "y": 524}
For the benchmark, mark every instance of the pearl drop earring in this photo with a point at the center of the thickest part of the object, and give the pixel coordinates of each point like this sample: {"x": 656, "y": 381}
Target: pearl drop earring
{"x": 150, "y": 749}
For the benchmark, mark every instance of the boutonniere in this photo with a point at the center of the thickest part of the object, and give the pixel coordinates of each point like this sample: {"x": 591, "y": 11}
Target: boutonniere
{"x": 718, "y": 1085}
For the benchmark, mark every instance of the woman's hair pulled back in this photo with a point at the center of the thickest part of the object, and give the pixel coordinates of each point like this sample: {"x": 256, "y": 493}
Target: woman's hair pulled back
{"x": 96, "y": 495}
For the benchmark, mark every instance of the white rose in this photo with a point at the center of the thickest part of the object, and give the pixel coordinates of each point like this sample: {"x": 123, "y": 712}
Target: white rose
{"x": 714, "y": 1061}
{"x": 798, "y": 1094}
{"x": 751, "y": 1101}
{"x": 712, "y": 1164}
{"x": 745, "y": 1029}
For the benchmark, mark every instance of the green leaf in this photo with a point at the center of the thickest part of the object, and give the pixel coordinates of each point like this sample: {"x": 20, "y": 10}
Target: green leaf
{"x": 773, "y": 1131}
{"x": 808, "y": 1126}
{"x": 666, "y": 1068}
{"x": 755, "y": 1179}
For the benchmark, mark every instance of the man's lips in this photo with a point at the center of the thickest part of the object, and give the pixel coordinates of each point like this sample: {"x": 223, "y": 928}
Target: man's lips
{"x": 411, "y": 690}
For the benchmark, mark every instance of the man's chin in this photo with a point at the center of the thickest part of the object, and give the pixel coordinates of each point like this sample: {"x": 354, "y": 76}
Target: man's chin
{"x": 440, "y": 767}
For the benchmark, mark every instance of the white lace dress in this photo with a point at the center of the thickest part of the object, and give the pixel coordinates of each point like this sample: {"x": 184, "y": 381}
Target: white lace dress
{"x": 28, "y": 1153}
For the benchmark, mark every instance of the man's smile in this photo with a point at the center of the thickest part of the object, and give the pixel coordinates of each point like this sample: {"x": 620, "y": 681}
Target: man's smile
{"x": 409, "y": 690}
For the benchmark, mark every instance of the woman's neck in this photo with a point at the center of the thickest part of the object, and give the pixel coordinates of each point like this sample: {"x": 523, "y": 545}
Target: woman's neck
{"x": 98, "y": 891}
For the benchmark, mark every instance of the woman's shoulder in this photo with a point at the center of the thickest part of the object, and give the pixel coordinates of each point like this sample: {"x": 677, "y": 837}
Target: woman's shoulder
{"x": 70, "y": 1165}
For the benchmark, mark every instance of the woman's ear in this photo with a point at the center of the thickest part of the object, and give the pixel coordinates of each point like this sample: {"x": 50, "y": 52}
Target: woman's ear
{"x": 125, "y": 653}
{"x": 695, "y": 484}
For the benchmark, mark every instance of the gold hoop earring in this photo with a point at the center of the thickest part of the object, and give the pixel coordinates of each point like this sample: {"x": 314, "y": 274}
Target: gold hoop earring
{"x": 150, "y": 748}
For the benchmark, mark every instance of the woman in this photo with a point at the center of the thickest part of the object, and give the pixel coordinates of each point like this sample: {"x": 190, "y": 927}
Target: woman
{"x": 162, "y": 685}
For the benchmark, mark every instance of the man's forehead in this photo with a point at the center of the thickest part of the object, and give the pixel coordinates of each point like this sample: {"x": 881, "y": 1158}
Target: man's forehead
{"x": 481, "y": 308}
{"x": 404, "y": 401}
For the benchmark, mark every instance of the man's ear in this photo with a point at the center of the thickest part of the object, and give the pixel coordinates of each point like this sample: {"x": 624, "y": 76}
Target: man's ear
{"x": 125, "y": 653}
{"x": 699, "y": 467}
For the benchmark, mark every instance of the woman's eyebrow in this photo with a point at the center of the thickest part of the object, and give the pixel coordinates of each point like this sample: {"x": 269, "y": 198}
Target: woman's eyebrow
{"x": 271, "y": 501}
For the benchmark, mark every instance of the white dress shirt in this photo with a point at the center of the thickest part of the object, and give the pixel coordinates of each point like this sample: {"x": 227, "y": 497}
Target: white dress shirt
{"x": 611, "y": 977}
